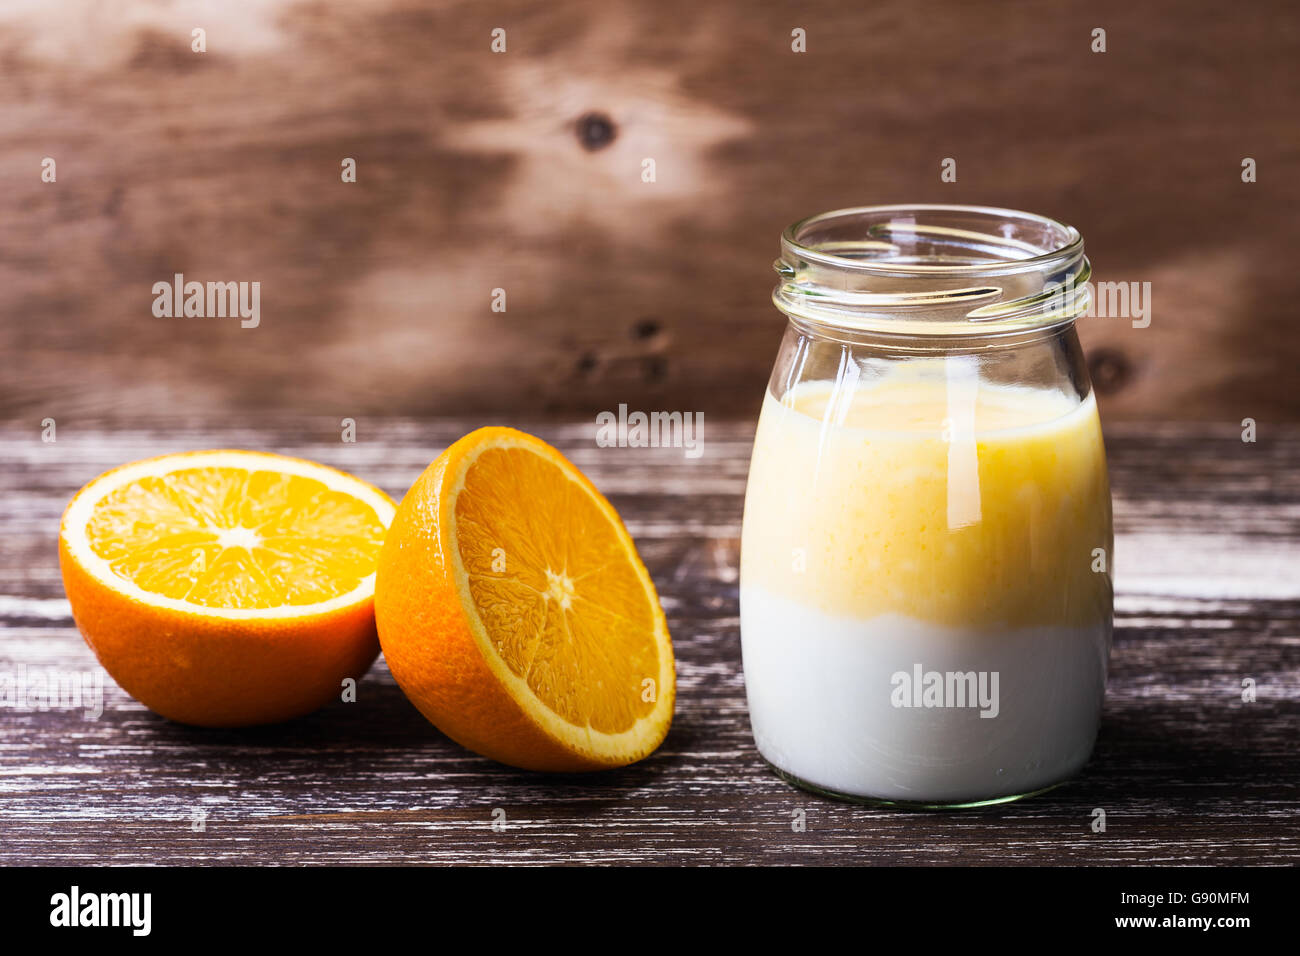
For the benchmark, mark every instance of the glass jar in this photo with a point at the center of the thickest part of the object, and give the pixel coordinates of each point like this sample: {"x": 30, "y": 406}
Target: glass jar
{"x": 925, "y": 577}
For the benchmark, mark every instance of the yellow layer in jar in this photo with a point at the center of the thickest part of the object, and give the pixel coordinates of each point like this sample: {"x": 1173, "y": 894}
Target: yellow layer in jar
{"x": 947, "y": 499}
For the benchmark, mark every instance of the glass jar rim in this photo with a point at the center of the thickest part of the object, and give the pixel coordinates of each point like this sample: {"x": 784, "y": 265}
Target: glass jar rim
{"x": 932, "y": 269}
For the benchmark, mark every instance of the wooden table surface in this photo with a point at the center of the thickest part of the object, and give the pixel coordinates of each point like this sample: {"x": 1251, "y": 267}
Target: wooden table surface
{"x": 1208, "y": 594}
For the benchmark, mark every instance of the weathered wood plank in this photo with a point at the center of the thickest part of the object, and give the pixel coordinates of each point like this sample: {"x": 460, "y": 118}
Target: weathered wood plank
{"x": 1208, "y": 592}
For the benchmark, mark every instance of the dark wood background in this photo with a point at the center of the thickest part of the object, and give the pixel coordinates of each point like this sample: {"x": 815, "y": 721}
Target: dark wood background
{"x": 476, "y": 171}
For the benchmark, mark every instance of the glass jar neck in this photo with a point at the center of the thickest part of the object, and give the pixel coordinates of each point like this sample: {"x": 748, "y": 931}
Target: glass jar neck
{"x": 949, "y": 276}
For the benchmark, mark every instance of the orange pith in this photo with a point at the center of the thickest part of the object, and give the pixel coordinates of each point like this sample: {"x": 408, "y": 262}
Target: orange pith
{"x": 226, "y": 588}
{"x": 515, "y": 613}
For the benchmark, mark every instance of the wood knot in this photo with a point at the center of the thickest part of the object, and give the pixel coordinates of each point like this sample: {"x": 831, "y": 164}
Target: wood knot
{"x": 1110, "y": 370}
{"x": 595, "y": 131}
{"x": 654, "y": 369}
{"x": 645, "y": 329}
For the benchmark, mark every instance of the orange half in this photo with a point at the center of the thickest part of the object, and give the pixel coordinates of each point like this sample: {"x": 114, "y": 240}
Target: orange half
{"x": 226, "y": 588}
{"x": 515, "y": 613}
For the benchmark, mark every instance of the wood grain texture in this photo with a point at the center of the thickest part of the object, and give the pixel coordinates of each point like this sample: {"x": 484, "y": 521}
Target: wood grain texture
{"x": 1208, "y": 593}
{"x": 476, "y": 171}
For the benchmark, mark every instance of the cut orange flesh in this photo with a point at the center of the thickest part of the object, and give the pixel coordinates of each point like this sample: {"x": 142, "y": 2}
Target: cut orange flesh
{"x": 514, "y": 610}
